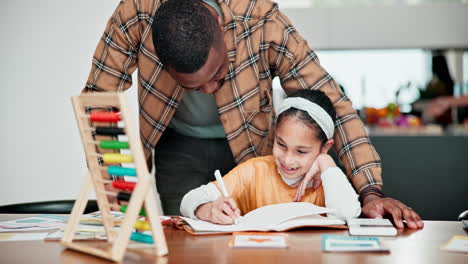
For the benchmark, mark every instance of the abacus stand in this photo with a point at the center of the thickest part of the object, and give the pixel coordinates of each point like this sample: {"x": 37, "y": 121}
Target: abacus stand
{"x": 142, "y": 196}
{"x": 115, "y": 250}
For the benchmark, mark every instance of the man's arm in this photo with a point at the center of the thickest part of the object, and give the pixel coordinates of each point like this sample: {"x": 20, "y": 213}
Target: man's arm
{"x": 114, "y": 59}
{"x": 299, "y": 68}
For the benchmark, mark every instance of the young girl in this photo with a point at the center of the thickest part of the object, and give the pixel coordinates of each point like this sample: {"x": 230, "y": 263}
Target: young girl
{"x": 304, "y": 131}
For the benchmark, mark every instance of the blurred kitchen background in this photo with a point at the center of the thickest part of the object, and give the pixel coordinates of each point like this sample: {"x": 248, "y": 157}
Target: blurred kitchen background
{"x": 392, "y": 59}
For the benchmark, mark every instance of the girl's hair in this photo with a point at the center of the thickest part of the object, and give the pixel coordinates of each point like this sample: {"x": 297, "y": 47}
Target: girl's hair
{"x": 317, "y": 97}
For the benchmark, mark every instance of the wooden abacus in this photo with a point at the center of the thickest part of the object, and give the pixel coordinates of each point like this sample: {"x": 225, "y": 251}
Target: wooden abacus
{"x": 112, "y": 108}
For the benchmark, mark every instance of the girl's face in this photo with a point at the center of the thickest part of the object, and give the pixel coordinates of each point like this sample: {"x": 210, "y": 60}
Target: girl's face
{"x": 295, "y": 147}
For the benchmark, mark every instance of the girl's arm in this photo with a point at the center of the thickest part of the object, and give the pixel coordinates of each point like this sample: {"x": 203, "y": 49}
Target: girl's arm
{"x": 339, "y": 194}
{"x": 206, "y": 202}
{"x": 196, "y": 197}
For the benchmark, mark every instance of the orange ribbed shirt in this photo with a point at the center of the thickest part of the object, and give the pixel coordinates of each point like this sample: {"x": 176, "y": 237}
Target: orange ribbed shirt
{"x": 256, "y": 183}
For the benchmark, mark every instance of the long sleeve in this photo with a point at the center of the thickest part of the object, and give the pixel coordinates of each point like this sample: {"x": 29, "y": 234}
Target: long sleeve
{"x": 196, "y": 197}
{"x": 299, "y": 68}
{"x": 339, "y": 194}
{"x": 114, "y": 59}
{"x": 238, "y": 182}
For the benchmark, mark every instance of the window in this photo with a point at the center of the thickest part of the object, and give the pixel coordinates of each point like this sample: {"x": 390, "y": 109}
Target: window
{"x": 371, "y": 78}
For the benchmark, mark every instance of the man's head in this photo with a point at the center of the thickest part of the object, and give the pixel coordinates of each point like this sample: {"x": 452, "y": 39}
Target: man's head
{"x": 188, "y": 38}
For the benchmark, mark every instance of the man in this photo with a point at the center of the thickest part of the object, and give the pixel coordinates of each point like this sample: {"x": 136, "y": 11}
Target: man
{"x": 206, "y": 83}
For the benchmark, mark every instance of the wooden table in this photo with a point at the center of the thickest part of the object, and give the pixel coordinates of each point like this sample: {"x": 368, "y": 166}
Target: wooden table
{"x": 410, "y": 246}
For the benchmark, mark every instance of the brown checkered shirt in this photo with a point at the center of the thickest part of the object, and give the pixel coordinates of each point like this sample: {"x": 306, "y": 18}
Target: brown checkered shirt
{"x": 262, "y": 44}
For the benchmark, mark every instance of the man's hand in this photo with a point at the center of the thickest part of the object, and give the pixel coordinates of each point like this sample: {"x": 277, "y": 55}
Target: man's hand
{"x": 222, "y": 211}
{"x": 376, "y": 207}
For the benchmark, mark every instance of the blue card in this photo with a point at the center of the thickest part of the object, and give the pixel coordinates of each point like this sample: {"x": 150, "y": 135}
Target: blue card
{"x": 335, "y": 243}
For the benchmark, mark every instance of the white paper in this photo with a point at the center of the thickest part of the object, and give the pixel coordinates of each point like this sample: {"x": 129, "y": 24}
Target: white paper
{"x": 22, "y": 236}
{"x": 371, "y": 227}
{"x": 3, "y": 230}
{"x": 34, "y": 223}
{"x": 272, "y": 217}
{"x": 457, "y": 244}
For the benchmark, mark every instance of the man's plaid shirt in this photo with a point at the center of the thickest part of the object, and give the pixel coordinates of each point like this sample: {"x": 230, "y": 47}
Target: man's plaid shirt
{"x": 262, "y": 43}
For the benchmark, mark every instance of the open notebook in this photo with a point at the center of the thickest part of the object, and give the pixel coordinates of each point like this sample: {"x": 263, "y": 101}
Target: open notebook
{"x": 275, "y": 217}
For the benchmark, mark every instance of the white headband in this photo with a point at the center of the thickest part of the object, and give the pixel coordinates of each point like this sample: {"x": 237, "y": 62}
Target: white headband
{"x": 316, "y": 112}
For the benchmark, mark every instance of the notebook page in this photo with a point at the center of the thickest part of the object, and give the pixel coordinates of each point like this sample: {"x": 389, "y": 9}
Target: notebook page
{"x": 262, "y": 219}
{"x": 275, "y": 214}
{"x": 204, "y": 226}
{"x": 308, "y": 220}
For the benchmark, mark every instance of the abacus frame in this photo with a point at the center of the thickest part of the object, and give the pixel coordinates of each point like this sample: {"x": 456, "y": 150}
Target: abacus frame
{"x": 142, "y": 196}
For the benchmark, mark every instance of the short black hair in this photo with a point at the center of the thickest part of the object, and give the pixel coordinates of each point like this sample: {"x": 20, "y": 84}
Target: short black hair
{"x": 315, "y": 96}
{"x": 183, "y": 33}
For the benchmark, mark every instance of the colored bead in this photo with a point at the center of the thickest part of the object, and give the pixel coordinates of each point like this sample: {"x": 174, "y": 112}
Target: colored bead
{"x": 123, "y": 185}
{"x": 120, "y": 171}
{"x": 142, "y": 225}
{"x": 116, "y": 158}
{"x": 139, "y": 237}
{"x": 123, "y": 209}
{"x": 123, "y": 196}
{"x": 112, "y": 144}
{"x": 110, "y": 131}
{"x": 110, "y": 117}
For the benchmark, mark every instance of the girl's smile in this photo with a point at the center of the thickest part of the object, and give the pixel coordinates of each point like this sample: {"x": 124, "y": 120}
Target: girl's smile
{"x": 288, "y": 170}
{"x": 295, "y": 151}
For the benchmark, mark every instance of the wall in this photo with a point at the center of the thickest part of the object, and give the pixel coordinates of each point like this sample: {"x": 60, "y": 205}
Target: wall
{"x": 383, "y": 27}
{"x": 46, "y": 52}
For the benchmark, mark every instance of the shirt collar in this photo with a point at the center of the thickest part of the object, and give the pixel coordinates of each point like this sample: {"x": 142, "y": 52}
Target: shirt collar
{"x": 231, "y": 29}
{"x": 291, "y": 182}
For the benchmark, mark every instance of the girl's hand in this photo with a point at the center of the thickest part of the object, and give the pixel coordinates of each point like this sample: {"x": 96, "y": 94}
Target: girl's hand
{"x": 321, "y": 163}
{"x": 222, "y": 211}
